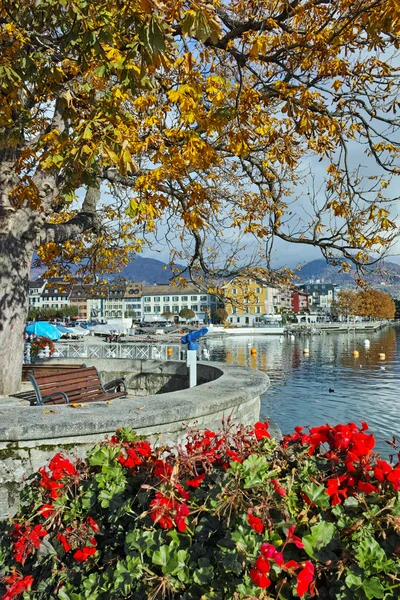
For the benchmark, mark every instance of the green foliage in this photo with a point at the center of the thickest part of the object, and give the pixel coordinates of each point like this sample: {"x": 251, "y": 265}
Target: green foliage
{"x": 220, "y": 315}
{"x": 231, "y": 515}
{"x": 187, "y": 314}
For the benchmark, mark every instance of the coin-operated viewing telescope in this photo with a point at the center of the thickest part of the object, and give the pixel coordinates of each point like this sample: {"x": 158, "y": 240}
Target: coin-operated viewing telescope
{"x": 191, "y": 355}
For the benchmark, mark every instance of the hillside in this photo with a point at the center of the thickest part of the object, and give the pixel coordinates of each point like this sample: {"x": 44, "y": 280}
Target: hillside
{"x": 148, "y": 270}
{"x": 387, "y": 276}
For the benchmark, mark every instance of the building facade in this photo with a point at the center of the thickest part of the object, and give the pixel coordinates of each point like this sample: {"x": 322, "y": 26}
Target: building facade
{"x": 320, "y": 296}
{"x": 166, "y": 298}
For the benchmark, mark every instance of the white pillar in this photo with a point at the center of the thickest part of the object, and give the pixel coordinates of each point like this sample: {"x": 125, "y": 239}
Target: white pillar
{"x": 191, "y": 362}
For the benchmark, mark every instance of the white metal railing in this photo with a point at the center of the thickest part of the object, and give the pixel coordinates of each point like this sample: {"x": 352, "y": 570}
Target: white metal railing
{"x": 116, "y": 350}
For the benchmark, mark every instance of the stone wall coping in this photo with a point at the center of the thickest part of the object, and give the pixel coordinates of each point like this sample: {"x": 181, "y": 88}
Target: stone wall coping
{"x": 232, "y": 386}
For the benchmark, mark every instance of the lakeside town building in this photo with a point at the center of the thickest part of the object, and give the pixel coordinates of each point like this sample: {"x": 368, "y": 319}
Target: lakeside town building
{"x": 249, "y": 302}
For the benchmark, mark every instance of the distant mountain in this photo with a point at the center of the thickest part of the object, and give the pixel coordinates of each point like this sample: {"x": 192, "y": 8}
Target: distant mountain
{"x": 386, "y": 275}
{"x": 148, "y": 270}
{"x": 140, "y": 270}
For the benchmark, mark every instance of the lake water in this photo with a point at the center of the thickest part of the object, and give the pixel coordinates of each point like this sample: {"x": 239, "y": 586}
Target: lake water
{"x": 365, "y": 388}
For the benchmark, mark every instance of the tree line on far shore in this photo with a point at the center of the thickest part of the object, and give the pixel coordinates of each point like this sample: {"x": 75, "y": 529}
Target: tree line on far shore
{"x": 367, "y": 303}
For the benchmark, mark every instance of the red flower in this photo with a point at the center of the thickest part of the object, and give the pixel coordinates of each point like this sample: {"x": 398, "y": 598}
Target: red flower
{"x": 259, "y": 578}
{"x": 291, "y": 564}
{"x": 182, "y": 512}
{"x": 366, "y": 487}
{"x": 261, "y": 430}
{"x": 16, "y": 585}
{"x": 394, "y": 478}
{"x": 263, "y": 565}
{"x": 278, "y": 558}
{"x": 62, "y": 538}
{"x": 84, "y": 553}
{"x": 92, "y": 524}
{"x": 46, "y": 510}
{"x": 61, "y": 467}
{"x": 255, "y": 523}
{"x": 196, "y": 481}
{"x": 162, "y": 469}
{"x": 291, "y": 538}
{"x": 27, "y": 540}
{"x": 304, "y": 578}
{"x": 281, "y": 491}
{"x": 268, "y": 550}
{"x": 381, "y": 470}
{"x": 333, "y": 490}
{"x": 234, "y": 456}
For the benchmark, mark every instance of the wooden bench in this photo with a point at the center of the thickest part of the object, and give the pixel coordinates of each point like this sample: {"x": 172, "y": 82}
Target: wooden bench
{"x": 75, "y": 386}
{"x": 46, "y": 369}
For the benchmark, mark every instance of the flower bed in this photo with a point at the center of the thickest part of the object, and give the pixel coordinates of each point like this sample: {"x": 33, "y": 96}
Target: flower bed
{"x": 231, "y": 514}
{"x": 40, "y": 343}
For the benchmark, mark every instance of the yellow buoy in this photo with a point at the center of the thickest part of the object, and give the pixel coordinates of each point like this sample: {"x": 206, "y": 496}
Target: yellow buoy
{"x": 253, "y": 352}
{"x": 382, "y": 356}
{"x": 306, "y": 351}
{"x": 356, "y": 353}
{"x": 169, "y": 351}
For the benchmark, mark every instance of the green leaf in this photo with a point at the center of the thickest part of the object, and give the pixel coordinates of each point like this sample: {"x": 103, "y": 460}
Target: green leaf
{"x": 87, "y": 134}
{"x": 373, "y": 588}
{"x": 161, "y": 556}
{"x": 320, "y": 537}
{"x": 317, "y": 494}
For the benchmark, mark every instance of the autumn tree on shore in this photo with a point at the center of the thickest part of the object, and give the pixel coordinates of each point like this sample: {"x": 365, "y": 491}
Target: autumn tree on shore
{"x": 190, "y": 123}
{"x": 369, "y": 303}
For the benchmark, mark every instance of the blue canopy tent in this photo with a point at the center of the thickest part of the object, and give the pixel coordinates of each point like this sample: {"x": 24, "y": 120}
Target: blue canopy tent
{"x": 44, "y": 329}
{"x": 65, "y": 329}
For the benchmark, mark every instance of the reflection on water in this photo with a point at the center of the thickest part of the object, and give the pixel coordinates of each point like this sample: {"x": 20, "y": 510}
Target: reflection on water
{"x": 365, "y": 388}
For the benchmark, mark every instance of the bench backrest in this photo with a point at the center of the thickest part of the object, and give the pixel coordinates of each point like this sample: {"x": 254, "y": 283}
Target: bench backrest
{"x": 46, "y": 369}
{"x": 78, "y": 384}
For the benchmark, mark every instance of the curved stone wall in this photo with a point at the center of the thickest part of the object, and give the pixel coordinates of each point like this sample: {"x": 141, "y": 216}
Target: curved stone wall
{"x": 31, "y": 435}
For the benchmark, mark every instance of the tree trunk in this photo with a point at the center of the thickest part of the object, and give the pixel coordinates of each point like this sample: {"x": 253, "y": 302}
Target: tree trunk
{"x": 15, "y": 260}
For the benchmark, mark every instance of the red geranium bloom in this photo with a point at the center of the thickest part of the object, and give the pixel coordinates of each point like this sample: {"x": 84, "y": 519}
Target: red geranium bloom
{"x": 196, "y": 481}
{"x": 381, "y": 470}
{"x": 62, "y": 538}
{"x": 233, "y": 456}
{"x": 16, "y": 585}
{"x": 293, "y": 538}
{"x": 255, "y": 523}
{"x": 92, "y": 524}
{"x": 366, "y": 487}
{"x": 46, "y": 510}
{"x": 162, "y": 469}
{"x": 333, "y": 490}
{"x": 281, "y": 491}
{"x": 304, "y": 578}
{"x": 261, "y": 430}
{"x": 259, "y": 578}
{"x": 84, "y": 553}
{"x": 394, "y": 478}
{"x": 268, "y": 550}
{"x": 61, "y": 467}
{"x": 263, "y": 565}
{"x": 27, "y": 540}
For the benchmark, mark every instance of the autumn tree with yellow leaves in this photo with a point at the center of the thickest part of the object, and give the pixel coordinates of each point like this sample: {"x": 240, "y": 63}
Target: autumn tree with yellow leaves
{"x": 190, "y": 122}
{"x": 369, "y": 303}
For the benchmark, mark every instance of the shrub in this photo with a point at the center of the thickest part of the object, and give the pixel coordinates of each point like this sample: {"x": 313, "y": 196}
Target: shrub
{"x": 231, "y": 514}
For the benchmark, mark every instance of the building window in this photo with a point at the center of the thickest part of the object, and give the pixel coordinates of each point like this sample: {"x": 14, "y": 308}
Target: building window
{"x": 203, "y": 298}
{"x": 157, "y": 298}
{"x": 193, "y": 298}
{"x": 166, "y": 308}
{"x": 258, "y": 310}
{"x": 184, "y": 298}
{"x": 147, "y": 299}
{"x": 175, "y": 309}
{"x": 234, "y": 291}
{"x": 234, "y": 310}
{"x": 194, "y": 307}
{"x": 258, "y": 290}
{"x": 147, "y": 309}
{"x": 166, "y": 299}
{"x": 175, "y": 298}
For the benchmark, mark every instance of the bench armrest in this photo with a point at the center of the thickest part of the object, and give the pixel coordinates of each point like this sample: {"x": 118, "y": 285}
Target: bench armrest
{"x": 47, "y": 398}
{"x": 112, "y": 385}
